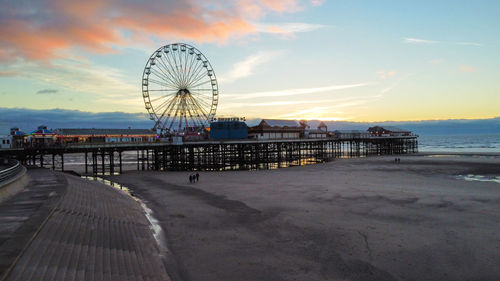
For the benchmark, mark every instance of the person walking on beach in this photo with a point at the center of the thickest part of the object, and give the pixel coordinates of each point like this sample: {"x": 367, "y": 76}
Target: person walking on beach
{"x": 197, "y": 176}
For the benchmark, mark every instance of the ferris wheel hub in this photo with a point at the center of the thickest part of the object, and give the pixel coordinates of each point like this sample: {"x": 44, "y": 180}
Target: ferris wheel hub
{"x": 183, "y": 92}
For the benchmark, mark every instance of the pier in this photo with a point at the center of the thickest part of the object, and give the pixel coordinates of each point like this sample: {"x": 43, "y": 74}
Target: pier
{"x": 213, "y": 155}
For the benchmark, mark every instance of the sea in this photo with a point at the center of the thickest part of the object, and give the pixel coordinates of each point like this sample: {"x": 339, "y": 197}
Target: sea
{"x": 459, "y": 143}
{"x": 463, "y": 144}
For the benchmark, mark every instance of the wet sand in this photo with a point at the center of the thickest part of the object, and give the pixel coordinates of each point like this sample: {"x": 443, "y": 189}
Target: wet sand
{"x": 350, "y": 219}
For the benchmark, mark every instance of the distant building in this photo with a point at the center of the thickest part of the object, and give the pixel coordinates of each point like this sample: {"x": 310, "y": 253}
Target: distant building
{"x": 277, "y": 129}
{"x": 18, "y": 137}
{"x": 387, "y": 131}
{"x": 220, "y": 130}
{"x": 104, "y": 135}
{"x": 350, "y": 134}
{"x": 41, "y": 137}
{"x": 322, "y": 127}
{"x": 320, "y": 133}
{"x": 5, "y": 141}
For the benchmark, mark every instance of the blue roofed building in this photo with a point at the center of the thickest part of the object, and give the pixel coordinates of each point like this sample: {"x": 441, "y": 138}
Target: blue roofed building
{"x": 227, "y": 130}
{"x": 41, "y": 137}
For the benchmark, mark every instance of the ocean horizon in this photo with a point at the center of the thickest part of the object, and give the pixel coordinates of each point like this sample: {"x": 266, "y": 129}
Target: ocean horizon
{"x": 459, "y": 143}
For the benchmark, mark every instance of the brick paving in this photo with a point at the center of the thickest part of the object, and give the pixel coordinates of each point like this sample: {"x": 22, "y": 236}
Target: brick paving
{"x": 94, "y": 232}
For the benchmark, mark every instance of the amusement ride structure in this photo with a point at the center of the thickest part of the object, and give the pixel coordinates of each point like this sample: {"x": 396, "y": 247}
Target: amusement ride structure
{"x": 180, "y": 90}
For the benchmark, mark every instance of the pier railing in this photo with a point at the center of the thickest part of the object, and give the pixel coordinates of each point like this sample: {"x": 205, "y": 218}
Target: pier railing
{"x": 14, "y": 168}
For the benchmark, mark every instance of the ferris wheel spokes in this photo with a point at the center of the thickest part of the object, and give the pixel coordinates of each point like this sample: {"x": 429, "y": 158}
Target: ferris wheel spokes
{"x": 179, "y": 88}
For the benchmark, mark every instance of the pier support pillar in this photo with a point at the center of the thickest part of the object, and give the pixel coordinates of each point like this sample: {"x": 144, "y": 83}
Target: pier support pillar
{"x": 120, "y": 156}
{"x": 103, "y": 162}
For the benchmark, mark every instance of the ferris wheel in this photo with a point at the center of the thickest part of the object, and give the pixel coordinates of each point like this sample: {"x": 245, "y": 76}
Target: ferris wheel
{"x": 179, "y": 89}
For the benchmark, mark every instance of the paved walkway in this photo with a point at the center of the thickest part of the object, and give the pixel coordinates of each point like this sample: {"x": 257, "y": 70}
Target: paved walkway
{"x": 23, "y": 214}
{"x": 93, "y": 233}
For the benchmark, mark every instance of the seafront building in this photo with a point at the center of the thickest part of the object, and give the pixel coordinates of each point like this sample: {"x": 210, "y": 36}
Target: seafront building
{"x": 5, "y": 141}
{"x": 104, "y": 135}
{"x": 17, "y": 137}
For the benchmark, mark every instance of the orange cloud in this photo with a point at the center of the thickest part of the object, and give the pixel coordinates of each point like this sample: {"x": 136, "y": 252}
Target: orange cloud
{"x": 8, "y": 73}
{"x": 48, "y": 28}
{"x": 280, "y": 5}
{"x": 386, "y": 74}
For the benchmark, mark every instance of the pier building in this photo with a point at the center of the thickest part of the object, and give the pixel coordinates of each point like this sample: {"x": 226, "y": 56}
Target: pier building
{"x": 232, "y": 129}
{"x": 41, "y": 137}
{"x": 320, "y": 133}
{"x": 65, "y": 136}
{"x": 350, "y": 134}
{"x": 387, "y": 131}
{"x": 269, "y": 129}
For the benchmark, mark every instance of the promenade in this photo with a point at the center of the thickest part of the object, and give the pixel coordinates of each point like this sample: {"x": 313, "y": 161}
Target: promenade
{"x": 62, "y": 227}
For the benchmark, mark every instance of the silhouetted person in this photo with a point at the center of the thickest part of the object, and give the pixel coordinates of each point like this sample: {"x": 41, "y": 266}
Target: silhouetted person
{"x": 190, "y": 178}
{"x": 197, "y": 177}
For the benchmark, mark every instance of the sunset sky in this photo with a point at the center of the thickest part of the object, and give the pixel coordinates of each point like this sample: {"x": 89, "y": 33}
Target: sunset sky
{"x": 330, "y": 60}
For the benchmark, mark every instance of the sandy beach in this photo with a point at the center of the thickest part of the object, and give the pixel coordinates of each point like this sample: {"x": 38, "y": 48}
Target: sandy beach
{"x": 350, "y": 219}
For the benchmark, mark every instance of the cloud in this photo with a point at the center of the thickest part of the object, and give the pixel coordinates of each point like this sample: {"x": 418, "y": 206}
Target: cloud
{"x": 418, "y": 41}
{"x": 436, "y": 61}
{"x": 425, "y": 41}
{"x": 304, "y": 112}
{"x": 316, "y": 113}
{"x": 44, "y": 30}
{"x": 287, "y": 29}
{"x": 469, "y": 44}
{"x": 278, "y": 103}
{"x": 29, "y": 119}
{"x": 293, "y": 92}
{"x": 317, "y": 2}
{"x": 47, "y": 91}
{"x": 383, "y": 74}
{"x": 467, "y": 68}
{"x": 247, "y": 66}
{"x": 393, "y": 85}
{"x": 82, "y": 77}
{"x": 280, "y": 5}
{"x": 8, "y": 73}
{"x": 336, "y": 101}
